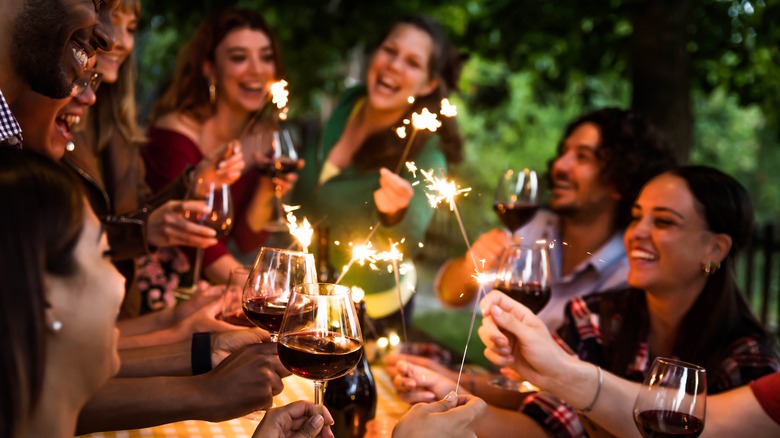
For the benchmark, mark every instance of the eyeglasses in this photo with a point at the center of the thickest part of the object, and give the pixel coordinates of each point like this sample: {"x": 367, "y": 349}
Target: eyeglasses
{"x": 89, "y": 78}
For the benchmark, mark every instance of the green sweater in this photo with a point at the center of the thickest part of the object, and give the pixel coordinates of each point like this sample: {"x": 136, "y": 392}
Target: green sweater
{"x": 346, "y": 201}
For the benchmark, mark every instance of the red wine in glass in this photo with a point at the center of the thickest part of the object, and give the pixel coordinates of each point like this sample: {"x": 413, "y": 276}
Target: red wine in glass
{"x": 266, "y": 313}
{"x": 279, "y": 167}
{"x": 667, "y": 424}
{"x": 672, "y": 400}
{"x": 514, "y": 216}
{"x": 531, "y": 295}
{"x": 319, "y": 356}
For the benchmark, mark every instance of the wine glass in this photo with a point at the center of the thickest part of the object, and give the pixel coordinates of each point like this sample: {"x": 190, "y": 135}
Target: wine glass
{"x": 672, "y": 400}
{"x": 320, "y": 338}
{"x": 524, "y": 275}
{"x": 282, "y": 160}
{"x": 517, "y": 197}
{"x": 267, "y": 290}
{"x": 232, "y": 309}
{"x": 219, "y": 214}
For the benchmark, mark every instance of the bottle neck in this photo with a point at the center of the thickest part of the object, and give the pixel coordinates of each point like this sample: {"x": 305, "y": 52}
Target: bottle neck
{"x": 325, "y": 271}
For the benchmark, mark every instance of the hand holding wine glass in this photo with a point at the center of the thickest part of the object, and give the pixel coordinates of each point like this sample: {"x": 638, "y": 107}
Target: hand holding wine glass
{"x": 232, "y": 308}
{"x": 672, "y": 400}
{"x": 218, "y": 214}
{"x": 270, "y": 283}
{"x": 320, "y": 338}
{"x": 524, "y": 275}
{"x": 517, "y": 197}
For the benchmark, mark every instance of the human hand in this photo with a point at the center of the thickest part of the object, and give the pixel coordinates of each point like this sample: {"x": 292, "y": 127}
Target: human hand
{"x": 245, "y": 382}
{"x": 394, "y": 193}
{"x": 298, "y": 419}
{"x": 199, "y": 313}
{"x": 487, "y": 249}
{"x": 223, "y": 164}
{"x": 223, "y": 344}
{"x": 516, "y": 338}
{"x": 166, "y": 226}
{"x": 451, "y": 416}
{"x": 418, "y": 384}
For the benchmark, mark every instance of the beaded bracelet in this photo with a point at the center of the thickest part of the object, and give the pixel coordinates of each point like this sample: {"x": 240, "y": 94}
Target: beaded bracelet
{"x": 598, "y": 392}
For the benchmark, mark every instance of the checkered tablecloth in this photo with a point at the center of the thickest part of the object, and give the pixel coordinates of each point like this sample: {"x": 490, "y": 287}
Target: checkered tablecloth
{"x": 295, "y": 388}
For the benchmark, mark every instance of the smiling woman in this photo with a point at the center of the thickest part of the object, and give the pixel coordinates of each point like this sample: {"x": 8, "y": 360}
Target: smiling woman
{"x": 220, "y": 86}
{"x": 346, "y": 183}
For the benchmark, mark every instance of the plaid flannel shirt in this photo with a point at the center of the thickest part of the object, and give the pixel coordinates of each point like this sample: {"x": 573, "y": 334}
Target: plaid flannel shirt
{"x": 745, "y": 361}
{"x": 10, "y": 131}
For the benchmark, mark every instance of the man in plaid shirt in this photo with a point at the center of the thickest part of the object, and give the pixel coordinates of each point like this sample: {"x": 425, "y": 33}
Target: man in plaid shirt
{"x": 33, "y": 33}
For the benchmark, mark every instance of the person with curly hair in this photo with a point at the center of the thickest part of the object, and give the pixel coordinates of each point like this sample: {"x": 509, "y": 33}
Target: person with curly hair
{"x": 603, "y": 160}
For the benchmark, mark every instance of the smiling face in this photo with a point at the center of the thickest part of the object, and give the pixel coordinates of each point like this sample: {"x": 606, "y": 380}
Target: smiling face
{"x": 668, "y": 239}
{"x": 52, "y": 41}
{"x": 47, "y": 122}
{"x": 87, "y": 303}
{"x": 243, "y": 69}
{"x": 577, "y": 185}
{"x": 125, "y": 24}
{"x": 399, "y": 69}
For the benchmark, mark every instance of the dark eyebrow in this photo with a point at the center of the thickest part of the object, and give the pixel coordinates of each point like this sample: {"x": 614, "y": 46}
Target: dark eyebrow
{"x": 669, "y": 210}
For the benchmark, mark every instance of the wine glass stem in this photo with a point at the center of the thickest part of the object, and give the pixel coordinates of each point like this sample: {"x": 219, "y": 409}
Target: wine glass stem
{"x": 319, "y": 391}
{"x": 197, "y": 267}
{"x": 279, "y": 213}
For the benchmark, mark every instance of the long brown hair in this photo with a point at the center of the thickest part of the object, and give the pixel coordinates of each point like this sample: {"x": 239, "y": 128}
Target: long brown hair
{"x": 42, "y": 216}
{"x": 115, "y": 109}
{"x": 188, "y": 92}
{"x": 720, "y": 315}
{"x": 385, "y": 148}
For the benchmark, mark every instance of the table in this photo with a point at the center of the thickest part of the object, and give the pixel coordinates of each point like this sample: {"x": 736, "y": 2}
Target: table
{"x": 295, "y": 388}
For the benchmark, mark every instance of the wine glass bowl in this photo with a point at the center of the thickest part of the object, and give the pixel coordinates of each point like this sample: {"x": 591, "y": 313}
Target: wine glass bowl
{"x": 232, "y": 310}
{"x": 320, "y": 337}
{"x": 268, "y": 287}
{"x": 282, "y": 160}
{"x": 672, "y": 400}
{"x": 219, "y": 214}
{"x": 517, "y": 197}
{"x": 524, "y": 274}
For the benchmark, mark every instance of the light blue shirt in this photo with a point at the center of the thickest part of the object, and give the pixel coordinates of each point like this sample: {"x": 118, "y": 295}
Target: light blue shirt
{"x": 605, "y": 269}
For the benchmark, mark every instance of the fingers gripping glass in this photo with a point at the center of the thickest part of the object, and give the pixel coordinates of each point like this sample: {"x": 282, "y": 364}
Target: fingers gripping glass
{"x": 89, "y": 78}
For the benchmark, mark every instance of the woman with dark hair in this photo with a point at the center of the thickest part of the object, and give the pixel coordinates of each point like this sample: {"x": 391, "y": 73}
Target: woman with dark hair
{"x": 348, "y": 182}
{"x": 220, "y": 84}
{"x": 686, "y": 228}
{"x": 59, "y": 300}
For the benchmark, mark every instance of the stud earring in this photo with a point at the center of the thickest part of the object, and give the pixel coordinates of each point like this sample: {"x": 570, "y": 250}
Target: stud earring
{"x": 56, "y": 326}
{"x": 212, "y": 93}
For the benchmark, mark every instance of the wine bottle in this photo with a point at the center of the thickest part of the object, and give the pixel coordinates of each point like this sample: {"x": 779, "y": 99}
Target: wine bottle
{"x": 325, "y": 271}
{"x": 351, "y": 399}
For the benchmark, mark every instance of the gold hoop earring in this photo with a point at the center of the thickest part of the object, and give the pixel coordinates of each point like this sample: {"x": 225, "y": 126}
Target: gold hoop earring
{"x": 710, "y": 268}
{"x": 212, "y": 93}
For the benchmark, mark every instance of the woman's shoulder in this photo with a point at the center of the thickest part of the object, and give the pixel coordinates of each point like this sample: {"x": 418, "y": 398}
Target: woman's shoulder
{"x": 176, "y": 124}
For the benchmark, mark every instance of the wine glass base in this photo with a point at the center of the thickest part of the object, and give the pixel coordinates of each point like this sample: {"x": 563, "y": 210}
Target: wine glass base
{"x": 521, "y": 386}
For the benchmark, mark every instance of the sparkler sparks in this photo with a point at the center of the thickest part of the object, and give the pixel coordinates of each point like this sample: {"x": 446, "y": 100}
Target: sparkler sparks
{"x": 425, "y": 120}
{"x": 303, "y": 231}
{"x": 279, "y": 95}
{"x": 440, "y": 190}
{"x": 448, "y": 110}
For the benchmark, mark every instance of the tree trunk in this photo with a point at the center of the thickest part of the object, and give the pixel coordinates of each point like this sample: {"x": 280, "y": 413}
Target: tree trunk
{"x": 661, "y": 68}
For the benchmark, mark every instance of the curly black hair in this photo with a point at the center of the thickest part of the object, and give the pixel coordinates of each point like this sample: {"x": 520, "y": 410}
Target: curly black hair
{"x": 631, "y": 151}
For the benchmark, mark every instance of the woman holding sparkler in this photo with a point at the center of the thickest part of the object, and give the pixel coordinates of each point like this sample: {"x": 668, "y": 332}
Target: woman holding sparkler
{"x": 349, "y": 182}
{"x": 220, "y": 84}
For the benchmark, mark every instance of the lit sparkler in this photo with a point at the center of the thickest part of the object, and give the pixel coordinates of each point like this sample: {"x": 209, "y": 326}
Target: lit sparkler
{"x": 303, "y": 231}
{"x": 279, "y": 96}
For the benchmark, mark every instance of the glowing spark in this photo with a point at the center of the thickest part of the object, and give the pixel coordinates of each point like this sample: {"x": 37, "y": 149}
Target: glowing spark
{"x": 302, "y": 232}
{"x": 425, "y": 120}
{"x": 441, "y": 190}
{"x": 401, "y": 132}
{"x": 357, "y": 294}
{"x": 279, "y": 93}
{"x": 448, "y": 110}
{"x": 412, "y": 168}
{"x": 410, "y": 99}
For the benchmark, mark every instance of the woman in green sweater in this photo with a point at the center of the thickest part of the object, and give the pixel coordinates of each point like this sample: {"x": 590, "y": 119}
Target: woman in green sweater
{"x": 348, "y": 181}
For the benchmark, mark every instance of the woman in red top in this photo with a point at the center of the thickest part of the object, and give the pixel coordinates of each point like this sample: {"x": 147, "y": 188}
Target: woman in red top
{"x": 220, "y": 83}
